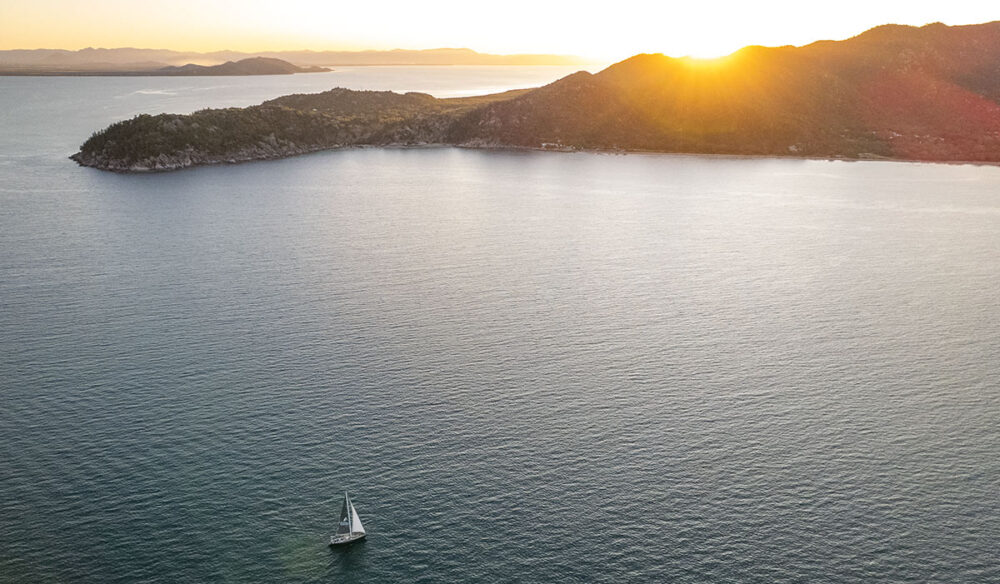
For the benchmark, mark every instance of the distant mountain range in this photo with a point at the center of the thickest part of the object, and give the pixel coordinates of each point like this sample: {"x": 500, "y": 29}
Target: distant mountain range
{"x": 895, "y": 92}
{"x": 56, "y": 61}
{"x": 251, "y": 66}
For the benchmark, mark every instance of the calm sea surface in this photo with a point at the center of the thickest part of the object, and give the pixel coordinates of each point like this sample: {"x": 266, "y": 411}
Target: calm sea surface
{"x": 525, "y": 366}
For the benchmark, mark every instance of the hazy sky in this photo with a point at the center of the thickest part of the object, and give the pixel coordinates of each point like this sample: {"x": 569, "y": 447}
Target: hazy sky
{"x": 606, "y": 30}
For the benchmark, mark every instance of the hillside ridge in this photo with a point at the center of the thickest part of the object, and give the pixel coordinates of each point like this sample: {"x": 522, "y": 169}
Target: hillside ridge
{"x": 895, "y": 92}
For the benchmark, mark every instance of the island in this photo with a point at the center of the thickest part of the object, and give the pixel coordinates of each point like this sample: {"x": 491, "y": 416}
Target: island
{"x": 251, "y": 66}
{"x": 894, "y": 92}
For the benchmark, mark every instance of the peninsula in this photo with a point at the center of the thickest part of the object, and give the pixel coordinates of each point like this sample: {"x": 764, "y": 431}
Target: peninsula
{"x": 894, "y": 92}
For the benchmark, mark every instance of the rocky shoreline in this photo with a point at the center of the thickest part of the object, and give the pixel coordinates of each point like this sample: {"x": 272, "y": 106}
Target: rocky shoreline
{"x": 191, "y": 158}
{"x": 168, "y": 163}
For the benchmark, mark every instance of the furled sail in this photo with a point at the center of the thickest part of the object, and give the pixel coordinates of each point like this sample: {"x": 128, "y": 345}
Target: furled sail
{"x": 356, "y": 526}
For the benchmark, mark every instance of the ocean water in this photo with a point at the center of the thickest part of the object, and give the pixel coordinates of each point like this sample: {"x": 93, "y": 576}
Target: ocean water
{"x": 524, "y": 366}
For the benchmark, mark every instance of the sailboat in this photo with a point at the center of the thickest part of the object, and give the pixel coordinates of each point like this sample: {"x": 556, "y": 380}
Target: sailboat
{"x": 349, "y": 529}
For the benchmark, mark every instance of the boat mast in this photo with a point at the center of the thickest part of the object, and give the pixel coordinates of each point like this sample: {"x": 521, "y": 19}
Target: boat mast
{"x": 350, "y": 516}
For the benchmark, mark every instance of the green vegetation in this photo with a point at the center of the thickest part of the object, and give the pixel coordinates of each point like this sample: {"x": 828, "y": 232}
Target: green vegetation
{"x": 205, "y": 136}
{"x": 289, "y": 125}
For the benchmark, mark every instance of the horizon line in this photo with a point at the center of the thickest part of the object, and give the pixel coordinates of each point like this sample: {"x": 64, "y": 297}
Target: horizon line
{"x": 579, "y": 58}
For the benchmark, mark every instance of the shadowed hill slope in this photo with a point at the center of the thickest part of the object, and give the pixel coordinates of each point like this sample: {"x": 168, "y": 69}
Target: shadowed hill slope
{"x": 927, "y": 93}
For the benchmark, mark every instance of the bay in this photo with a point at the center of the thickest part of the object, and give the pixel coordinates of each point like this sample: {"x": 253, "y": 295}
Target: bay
{"x": 524, "y": 366}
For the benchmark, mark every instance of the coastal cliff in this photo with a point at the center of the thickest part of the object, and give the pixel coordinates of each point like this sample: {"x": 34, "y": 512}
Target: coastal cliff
{"x": 897, "y": 92}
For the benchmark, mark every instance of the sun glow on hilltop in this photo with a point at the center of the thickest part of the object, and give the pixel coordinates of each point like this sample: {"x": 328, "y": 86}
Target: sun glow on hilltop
{"x": 709, "y": 63}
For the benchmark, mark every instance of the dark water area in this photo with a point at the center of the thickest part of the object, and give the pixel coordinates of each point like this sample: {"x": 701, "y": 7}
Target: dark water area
{"x": 524, "y": 366}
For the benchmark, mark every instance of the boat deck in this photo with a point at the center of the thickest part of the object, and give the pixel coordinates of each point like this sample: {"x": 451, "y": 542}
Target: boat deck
{"x": 346, "y": 538}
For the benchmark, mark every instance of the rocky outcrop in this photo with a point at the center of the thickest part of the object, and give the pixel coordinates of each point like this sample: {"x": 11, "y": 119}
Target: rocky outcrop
{"x": 193, "y": 157}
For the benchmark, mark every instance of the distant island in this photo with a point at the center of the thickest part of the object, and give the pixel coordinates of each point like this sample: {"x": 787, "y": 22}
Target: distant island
{"x": 251, "y": 66}
{"x": 92, "y": 61}
{"x": 894, "y": 92}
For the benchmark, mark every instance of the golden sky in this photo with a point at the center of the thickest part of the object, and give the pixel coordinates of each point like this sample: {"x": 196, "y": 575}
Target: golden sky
{"x": 605, "y": 31}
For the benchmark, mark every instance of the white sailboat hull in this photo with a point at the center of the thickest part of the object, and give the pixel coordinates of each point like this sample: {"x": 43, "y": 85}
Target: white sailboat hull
{"x": 346, "y": 538}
